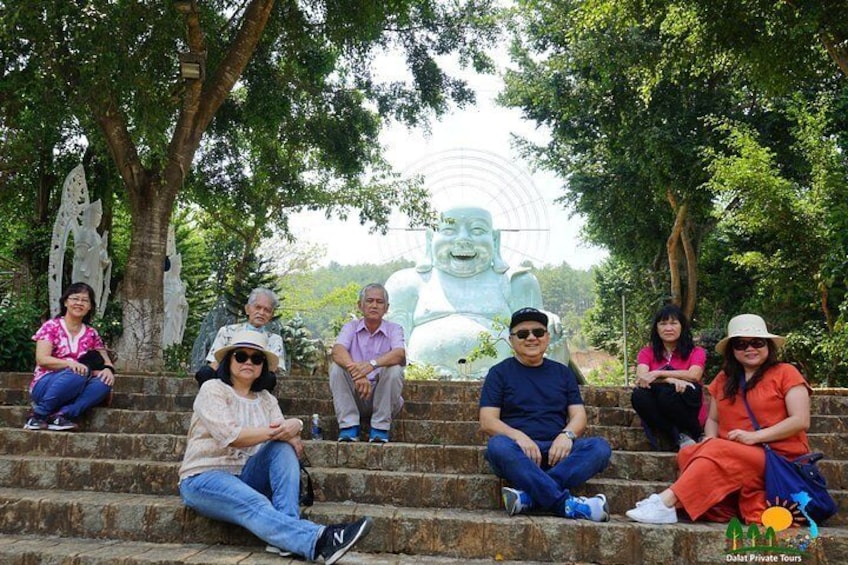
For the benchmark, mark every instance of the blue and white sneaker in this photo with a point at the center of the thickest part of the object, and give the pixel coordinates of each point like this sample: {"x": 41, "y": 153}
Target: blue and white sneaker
{"x": 515, "y": 501}
{"x": 349, "y": 434}
{"x": 594, "y": 508}
{"x": 337, "y": 539}
{"x": 378, "y": 436}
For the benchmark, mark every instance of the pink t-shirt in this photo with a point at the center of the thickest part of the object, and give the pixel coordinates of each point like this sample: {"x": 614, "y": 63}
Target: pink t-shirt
{"x": 65, "y": 346}
{"x": 698, "y": 356}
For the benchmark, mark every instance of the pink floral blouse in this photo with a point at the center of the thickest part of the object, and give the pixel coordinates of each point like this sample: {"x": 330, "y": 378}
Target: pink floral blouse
{"x": 65, "y": 346}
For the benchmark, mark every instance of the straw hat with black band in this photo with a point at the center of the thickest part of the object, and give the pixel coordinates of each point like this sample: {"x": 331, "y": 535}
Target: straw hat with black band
{"x": 748, "y": 325}
{"x": 246, "y": 339}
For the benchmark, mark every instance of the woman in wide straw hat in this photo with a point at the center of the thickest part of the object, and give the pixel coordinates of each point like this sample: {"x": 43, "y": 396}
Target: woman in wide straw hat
{"x": 731, "y": 459}
{"x": 241, "y": 461}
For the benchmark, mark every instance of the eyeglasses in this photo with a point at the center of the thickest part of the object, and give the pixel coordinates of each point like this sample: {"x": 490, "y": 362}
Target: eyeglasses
{"x": 255, "y": 358}
{"x": 742, "y": 344}
{"x": 524, "y": 334}
{"x": 78, "y": 300}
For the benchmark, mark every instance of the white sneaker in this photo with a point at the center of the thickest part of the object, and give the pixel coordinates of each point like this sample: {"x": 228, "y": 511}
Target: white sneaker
{"x": 684, "y": 440}
{"x": 652, "y": 510}
{"x": 277, "y": 551}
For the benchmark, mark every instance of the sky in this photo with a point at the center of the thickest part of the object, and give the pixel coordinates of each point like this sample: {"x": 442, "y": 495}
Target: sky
{"x": 467, "y": 157}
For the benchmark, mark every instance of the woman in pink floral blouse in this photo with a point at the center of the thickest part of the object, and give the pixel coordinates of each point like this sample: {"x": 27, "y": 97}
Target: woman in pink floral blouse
{"x": 73, "y": 371}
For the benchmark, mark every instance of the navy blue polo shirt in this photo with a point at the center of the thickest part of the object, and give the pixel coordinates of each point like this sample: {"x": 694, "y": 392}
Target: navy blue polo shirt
{"x": 534, "y": 400}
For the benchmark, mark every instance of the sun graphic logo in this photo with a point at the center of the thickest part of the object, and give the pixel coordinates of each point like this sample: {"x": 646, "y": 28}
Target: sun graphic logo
{"x": 783, "y": 514}
{"x": 779, "y": 533}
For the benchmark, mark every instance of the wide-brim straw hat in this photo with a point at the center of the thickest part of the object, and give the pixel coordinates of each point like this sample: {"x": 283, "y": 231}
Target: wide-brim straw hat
{"x": 748, "y": 325}
{"x": 250, "y": 340}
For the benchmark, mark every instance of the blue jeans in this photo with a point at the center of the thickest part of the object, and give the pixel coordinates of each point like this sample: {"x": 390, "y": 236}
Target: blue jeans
{"x": 548, "y": 486}
{"x": 263, "y": 498}
{"x": 66, "y": 392}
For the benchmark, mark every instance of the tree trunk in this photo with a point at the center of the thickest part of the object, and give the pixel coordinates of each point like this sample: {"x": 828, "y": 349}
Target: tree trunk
{"x": 691, "y": 270}
{"x": 837, "y": 50}
{"x": 152, "y": 190}
{"x": 672, "y": 250}
{"x": 142, "y": 300}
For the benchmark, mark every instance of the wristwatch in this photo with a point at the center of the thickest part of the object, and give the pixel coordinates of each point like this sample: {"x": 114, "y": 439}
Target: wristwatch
{"x": 569, "y": 434}
{"x": 373, "y": 363}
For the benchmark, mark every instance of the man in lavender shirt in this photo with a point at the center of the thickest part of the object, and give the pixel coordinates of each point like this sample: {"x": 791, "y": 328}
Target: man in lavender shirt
{"x": 366, "y": 376}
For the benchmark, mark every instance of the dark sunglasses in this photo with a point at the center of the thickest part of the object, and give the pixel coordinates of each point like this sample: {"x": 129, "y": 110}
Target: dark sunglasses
{"x": 742, "y": 344}
{"x": 524, "y": 334}
{"x": 255, "y": 358}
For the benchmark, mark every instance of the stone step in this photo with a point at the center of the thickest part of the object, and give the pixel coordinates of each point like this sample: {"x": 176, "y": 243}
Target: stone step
{"x": 27, "y": 550}
{"x": 332, "y": 484}
{"x": 112, "y": 420}
{"x": 824, "y": 401}
{"x": 452, "y": 533}
{"x": 395, "y": 456}
{"x": 453, "y": 411}
{"x": 834, "y": 446}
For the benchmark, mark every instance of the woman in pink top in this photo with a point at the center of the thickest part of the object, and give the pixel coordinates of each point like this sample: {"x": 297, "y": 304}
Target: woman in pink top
{"x": 668, "y": 391}
{"x": 73, "y": 371}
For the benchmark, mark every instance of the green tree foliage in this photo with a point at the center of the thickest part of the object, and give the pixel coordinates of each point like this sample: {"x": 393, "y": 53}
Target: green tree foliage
{"x": 300, "y": 347}
{"x": 288, "y": 92}
{"x": 20, "y": 322}
{"x": 714, "y": 173}
{"x": 628, "y": 127}
{"x": 326, "y": 297}
{"x": 569, "y": 293}
{"x": 781, "y": 44}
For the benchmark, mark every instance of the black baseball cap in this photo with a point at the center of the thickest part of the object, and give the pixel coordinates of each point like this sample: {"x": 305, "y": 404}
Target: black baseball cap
{"x": 528, "y": 315}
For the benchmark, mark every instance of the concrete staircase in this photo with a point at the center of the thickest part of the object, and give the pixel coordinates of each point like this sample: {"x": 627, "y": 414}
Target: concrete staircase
{"x": 108, "y": 493}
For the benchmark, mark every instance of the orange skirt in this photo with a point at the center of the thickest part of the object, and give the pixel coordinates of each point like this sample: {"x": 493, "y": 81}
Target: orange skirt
{"x": 720, "y": 479}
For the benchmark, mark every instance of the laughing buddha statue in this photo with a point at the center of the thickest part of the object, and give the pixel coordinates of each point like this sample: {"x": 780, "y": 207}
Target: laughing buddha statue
{"x": 459, "y": 290}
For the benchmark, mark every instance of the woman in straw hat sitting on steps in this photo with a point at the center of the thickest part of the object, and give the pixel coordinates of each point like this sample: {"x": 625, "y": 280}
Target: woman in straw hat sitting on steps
{"x": 241, "y": 461}
{"x": 730, "y": 458}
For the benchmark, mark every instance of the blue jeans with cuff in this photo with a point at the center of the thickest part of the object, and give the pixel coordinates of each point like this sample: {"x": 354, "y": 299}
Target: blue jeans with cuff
{"x": 263, "y": 498}
{"x": 66, "y": 392}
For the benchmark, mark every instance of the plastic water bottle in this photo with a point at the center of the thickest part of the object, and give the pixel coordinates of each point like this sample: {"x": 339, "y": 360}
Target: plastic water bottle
{"x": 317, "y": 432}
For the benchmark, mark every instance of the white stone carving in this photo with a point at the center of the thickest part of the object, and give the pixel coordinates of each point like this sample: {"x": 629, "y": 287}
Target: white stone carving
{"x": 74, "y": 201}
{"x": 176, "y": 305}
{"x": 92, "y": 264}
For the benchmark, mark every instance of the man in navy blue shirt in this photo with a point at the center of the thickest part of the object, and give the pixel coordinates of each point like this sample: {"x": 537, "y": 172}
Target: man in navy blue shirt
{"x": 532, "y": 411}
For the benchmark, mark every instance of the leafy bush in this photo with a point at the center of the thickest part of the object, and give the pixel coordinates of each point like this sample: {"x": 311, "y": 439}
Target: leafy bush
{"x": 821, "y": 354}
{"x": 300, "y": 347}
{"x": 421, "y": 372}
{"x": 177, "y": 358}
{"x": 610, "y": 373}
{"x": 20, "y": 322}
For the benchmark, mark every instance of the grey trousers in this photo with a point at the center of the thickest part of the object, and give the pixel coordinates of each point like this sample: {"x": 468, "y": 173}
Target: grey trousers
{"x": 385, "y": 402}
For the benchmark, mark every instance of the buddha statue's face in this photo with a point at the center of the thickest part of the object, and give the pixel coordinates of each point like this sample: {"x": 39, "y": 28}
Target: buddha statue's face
{"x": 463, "y": 243}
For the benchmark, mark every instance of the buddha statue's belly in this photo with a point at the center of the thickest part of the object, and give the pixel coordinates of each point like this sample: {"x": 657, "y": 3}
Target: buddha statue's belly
{"x": 445, "y": 341}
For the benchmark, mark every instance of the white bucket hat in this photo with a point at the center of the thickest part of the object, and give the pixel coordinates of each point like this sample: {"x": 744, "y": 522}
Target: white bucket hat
{"x": 748, "y": 325}
{"x": 250, "y": 340}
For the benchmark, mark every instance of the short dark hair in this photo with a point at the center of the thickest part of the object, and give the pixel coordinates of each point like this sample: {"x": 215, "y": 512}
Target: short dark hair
{"x": 685, "y": 343}
{"x": 76, "y": 288}
{"x": 223, "y": 371}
